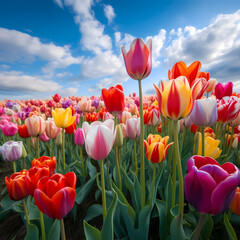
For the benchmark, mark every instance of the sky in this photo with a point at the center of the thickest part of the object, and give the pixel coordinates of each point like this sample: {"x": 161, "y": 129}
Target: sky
{"x": 73, "y": 47}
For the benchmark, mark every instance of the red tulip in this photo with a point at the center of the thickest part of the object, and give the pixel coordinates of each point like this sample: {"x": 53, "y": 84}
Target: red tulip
{"x": 55, "y": 196}
{"x": 33, "y": 175}
{"x": 23, "y": 131}
{"x": 71, "y": 128}
{"x": 114, "y": 99}
{"x": 45, "y": 161}
{"x": 56, "y": 98}
{"x": 16, "y": 185}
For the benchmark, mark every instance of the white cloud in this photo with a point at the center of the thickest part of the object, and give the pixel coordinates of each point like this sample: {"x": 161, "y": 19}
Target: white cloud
{"x": 71, "y": 91}
{"x": 109, "y": 13}
{"x": 59, "y": 3}
{"x": 18, "y": 46}
{"x": 64, "y": 74}
{"x": 5, "y": 66}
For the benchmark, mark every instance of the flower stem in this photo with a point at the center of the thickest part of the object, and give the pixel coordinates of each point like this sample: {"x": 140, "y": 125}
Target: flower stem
{"x": 179, "y": 168}
{"x": 63, "y": 235}
{"x": 42, "y": 225}
{"x": 203, "y": 142}
{"x": 199, "y": 226}
{"x": 14, "y": 166}
{"x": 37, "y": 142}
{"x": 82, "y": 161}
{"x": 153, "y": 180}
{"x": 63, "y": 148}
{"x": 229, "y": 147}
{"x": 26, "y": 211}
{"x": 142, "y": 167}
{"x": 135, "y": 156}
{"x": 103, "y": 190}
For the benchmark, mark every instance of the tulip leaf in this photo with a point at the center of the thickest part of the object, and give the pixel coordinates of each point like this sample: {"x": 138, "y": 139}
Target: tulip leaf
{"x": 84, "y": 190}
{"x": 33, "y": 212}
{"x": 176, "y": 229}
{"x": 107, "y": 230}
{"x": 54, "y": 232}
{"x": 91, "y": 232}
{"x": 91, "y": 169}
{"x": 94, "y": 211}
{"x": 207, "y": 227}
{"x": 32, "y": 232}
{"x": 230, "y": 230}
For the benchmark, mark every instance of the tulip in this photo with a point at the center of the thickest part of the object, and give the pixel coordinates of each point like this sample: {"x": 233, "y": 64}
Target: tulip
{"x": 114, "y": 99}
{"x": 119, "y": 135}
{"x": 132, "y": 130}
{"x": 63, "y": 117}
{"x": 205, "y": 75}
{"x": 51, "y": 129}
{"x": 8, "y": 128}
{"x": 45, "y": 161}
{"x": 156, "y": 148}
{"x": 9, "y": 112}
{"x": 16, "y": 185}
{"x": 235, "y": 205}
{"x": 138, "y": 60}
{"x": 44, "y": 137}
{"x": 33, "y": 175}
{"x": 79, "y": 137}
{"x": 11, "y": 151}
{"x": 236, "y": 121}
{"x": 212, "y": 84}
{"x": 222, "y": 90}
{"x": 71, "y": 128}
{"x": 228, "y": 109}
{"x": 56, "y": 98}
{"x": 55, "y": 195}
{"x": 66, "y": 103}
{"x": 174, "y": 98}
{"x": 35, "y": 125}
{"x": 125, "y": 116}
{"x": 23, "y": 131}
{"x": 210, "y": 187}
{"x": 204, "y": 112}
{"x": 154, "y": 118}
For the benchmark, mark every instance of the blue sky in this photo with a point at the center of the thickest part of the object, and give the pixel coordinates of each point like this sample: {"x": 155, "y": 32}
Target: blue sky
{"x": 73, "y": 47}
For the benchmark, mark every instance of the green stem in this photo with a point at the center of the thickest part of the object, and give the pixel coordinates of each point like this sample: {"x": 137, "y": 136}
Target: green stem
{"x": 153, "y": 180}
{"x": 42, "y": 225}
{"x": 63, "y": 149}
{"x": 182, "y": 140}
{"x": 29, "y": 145}
{"x": 26, "y": 211}
{"x": 82, "y": 161}
{"x": 104, "y": 206}
{"x": 62, "y": 228}
{"x": 135, "y": 156}
{"x": 199, "y": 226}
{"x": 125, "y": 144}
{"x": 229, "y": 147}
{"x": 58, "y": 156}
{"x": 203, "y": 142}
{"x": 142, "y": 167}
{"x": 14, "y": 166}
{"x": 37, "y": 143}
{"x": 108, "y": 178}
{"x": 179, "y": 168}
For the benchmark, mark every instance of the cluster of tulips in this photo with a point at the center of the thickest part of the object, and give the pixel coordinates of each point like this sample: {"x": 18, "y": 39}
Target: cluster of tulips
{"x": 154, "y": 155}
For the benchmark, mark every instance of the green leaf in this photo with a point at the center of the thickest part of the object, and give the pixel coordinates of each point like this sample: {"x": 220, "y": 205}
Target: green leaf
{"x": 91, "y": 232}
{"x": 94, "y": 211}
{"x": 230, "y": 230}
{"x": 84, "y": 190}
{"x": 32, "y": 232}
{"x": 207, "y": 227}
{"x": 164, "y": 224}
{"x": 107, "y": 230}
{"x": 54, "y": 232}
{"x": 176, "y": 229}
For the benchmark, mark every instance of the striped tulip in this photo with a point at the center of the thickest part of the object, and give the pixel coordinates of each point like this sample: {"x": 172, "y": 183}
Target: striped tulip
{"x": 156, "y": 148}
{"x": 35, "y": 125}
{"x": 174, "y": 98}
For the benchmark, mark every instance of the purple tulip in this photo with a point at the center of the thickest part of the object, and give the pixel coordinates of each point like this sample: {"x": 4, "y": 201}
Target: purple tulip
{"x": 9, "y": 104}
{"x": 11, "y": 151}
{"x": 210, "y": 187}
{"x": 66, "y": 103}
{"x": 95, "y": 102}
{"x": 204, "y": 112}
{"x": 79, "y": 137}
{"x": 222, "y": 90}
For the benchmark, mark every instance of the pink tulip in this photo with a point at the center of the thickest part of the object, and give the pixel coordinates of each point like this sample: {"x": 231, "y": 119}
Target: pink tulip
{"x": 77, "y": 118}
{"x": 222, "y": 90}
{"x": 51, "y": 129}
{"x": 8, "y": 128}
{"x": 35, "y": 125}
{"x": 79, "y": 136}
{"x": 138, "y": 60}
{"x": 44, "y": 137}
{"x": 133, "y": 127}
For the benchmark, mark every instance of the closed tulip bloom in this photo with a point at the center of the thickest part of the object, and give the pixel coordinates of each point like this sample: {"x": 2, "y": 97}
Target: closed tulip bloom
{"x": 222, "y": 90}
{"x": 45, "y": 161}
{"x": 44, "y": 137}
{"x": 204, "y": 112}
{"x": 11, "y": 151}
{"x": 210, "y": 187}
{"x": 119, "y": 136}
{"x": 131, "y": 127}
{"x": 138, "y": 60}
{"x": 228, "y": 109}
{"x": 156, "y": 148}
{"x": 55, "y": 195}
{"x": 33, "y": 175}
{"x": 174, "y": 98}
{"x": 125, "y": 116}
{"x": 22, "y": 131}
{"x": 124, "y": 130}
{"x": 56, "y": 98}
{"x": 114, "y": 99}
{"x": 35, "y": 125}
{"x": 51, "y": 129}
{"x": 79, "y": 137}
{"x": 212, "y": 84}
{"x": 71, "y": 128}
{"x": 235, "y": 205}
{"x": 100, "y": 139}
{"x": 154, "y": 118}
{"x": 63, "y": 117}
{"x": 16, "y": 185}
{"x": 8, "y": 128}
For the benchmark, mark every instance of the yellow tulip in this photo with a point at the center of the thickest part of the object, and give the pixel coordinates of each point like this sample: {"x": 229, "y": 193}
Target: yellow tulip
{"x": 63, "y": 117}
{"x": 211, "y": 147}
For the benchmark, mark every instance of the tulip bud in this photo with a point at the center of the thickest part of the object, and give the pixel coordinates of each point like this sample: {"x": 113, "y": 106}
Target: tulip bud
{"x": 13, "y": 120}
{"x": 24, "y": 152}
{"x": 59, "y": 139}
{"x": 235, "y": 143}
{"x": 19, "y": 122}
{"x": 119, "y": 136}
{"x": 196, "y": 143}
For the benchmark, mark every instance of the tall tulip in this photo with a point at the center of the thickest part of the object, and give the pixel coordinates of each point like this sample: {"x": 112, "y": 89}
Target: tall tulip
{"x": 35, "y": 125}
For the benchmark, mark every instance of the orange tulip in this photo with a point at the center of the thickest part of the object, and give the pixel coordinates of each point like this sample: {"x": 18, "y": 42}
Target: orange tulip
{"x": 235, "y": 205}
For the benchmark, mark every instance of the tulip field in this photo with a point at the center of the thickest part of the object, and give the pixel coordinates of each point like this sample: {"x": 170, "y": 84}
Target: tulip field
{"x": 163, "y": 166}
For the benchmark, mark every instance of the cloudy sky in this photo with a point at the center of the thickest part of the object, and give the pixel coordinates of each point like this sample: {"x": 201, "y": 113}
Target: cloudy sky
{"x": 73, "y": 47}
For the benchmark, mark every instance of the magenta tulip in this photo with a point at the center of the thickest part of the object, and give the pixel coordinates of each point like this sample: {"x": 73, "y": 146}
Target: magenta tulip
{"x": 210, "y": 187}
{"x": 222, "y": 90}
{"x": 79, "y": 136}
{"x": 8, "y": 128}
